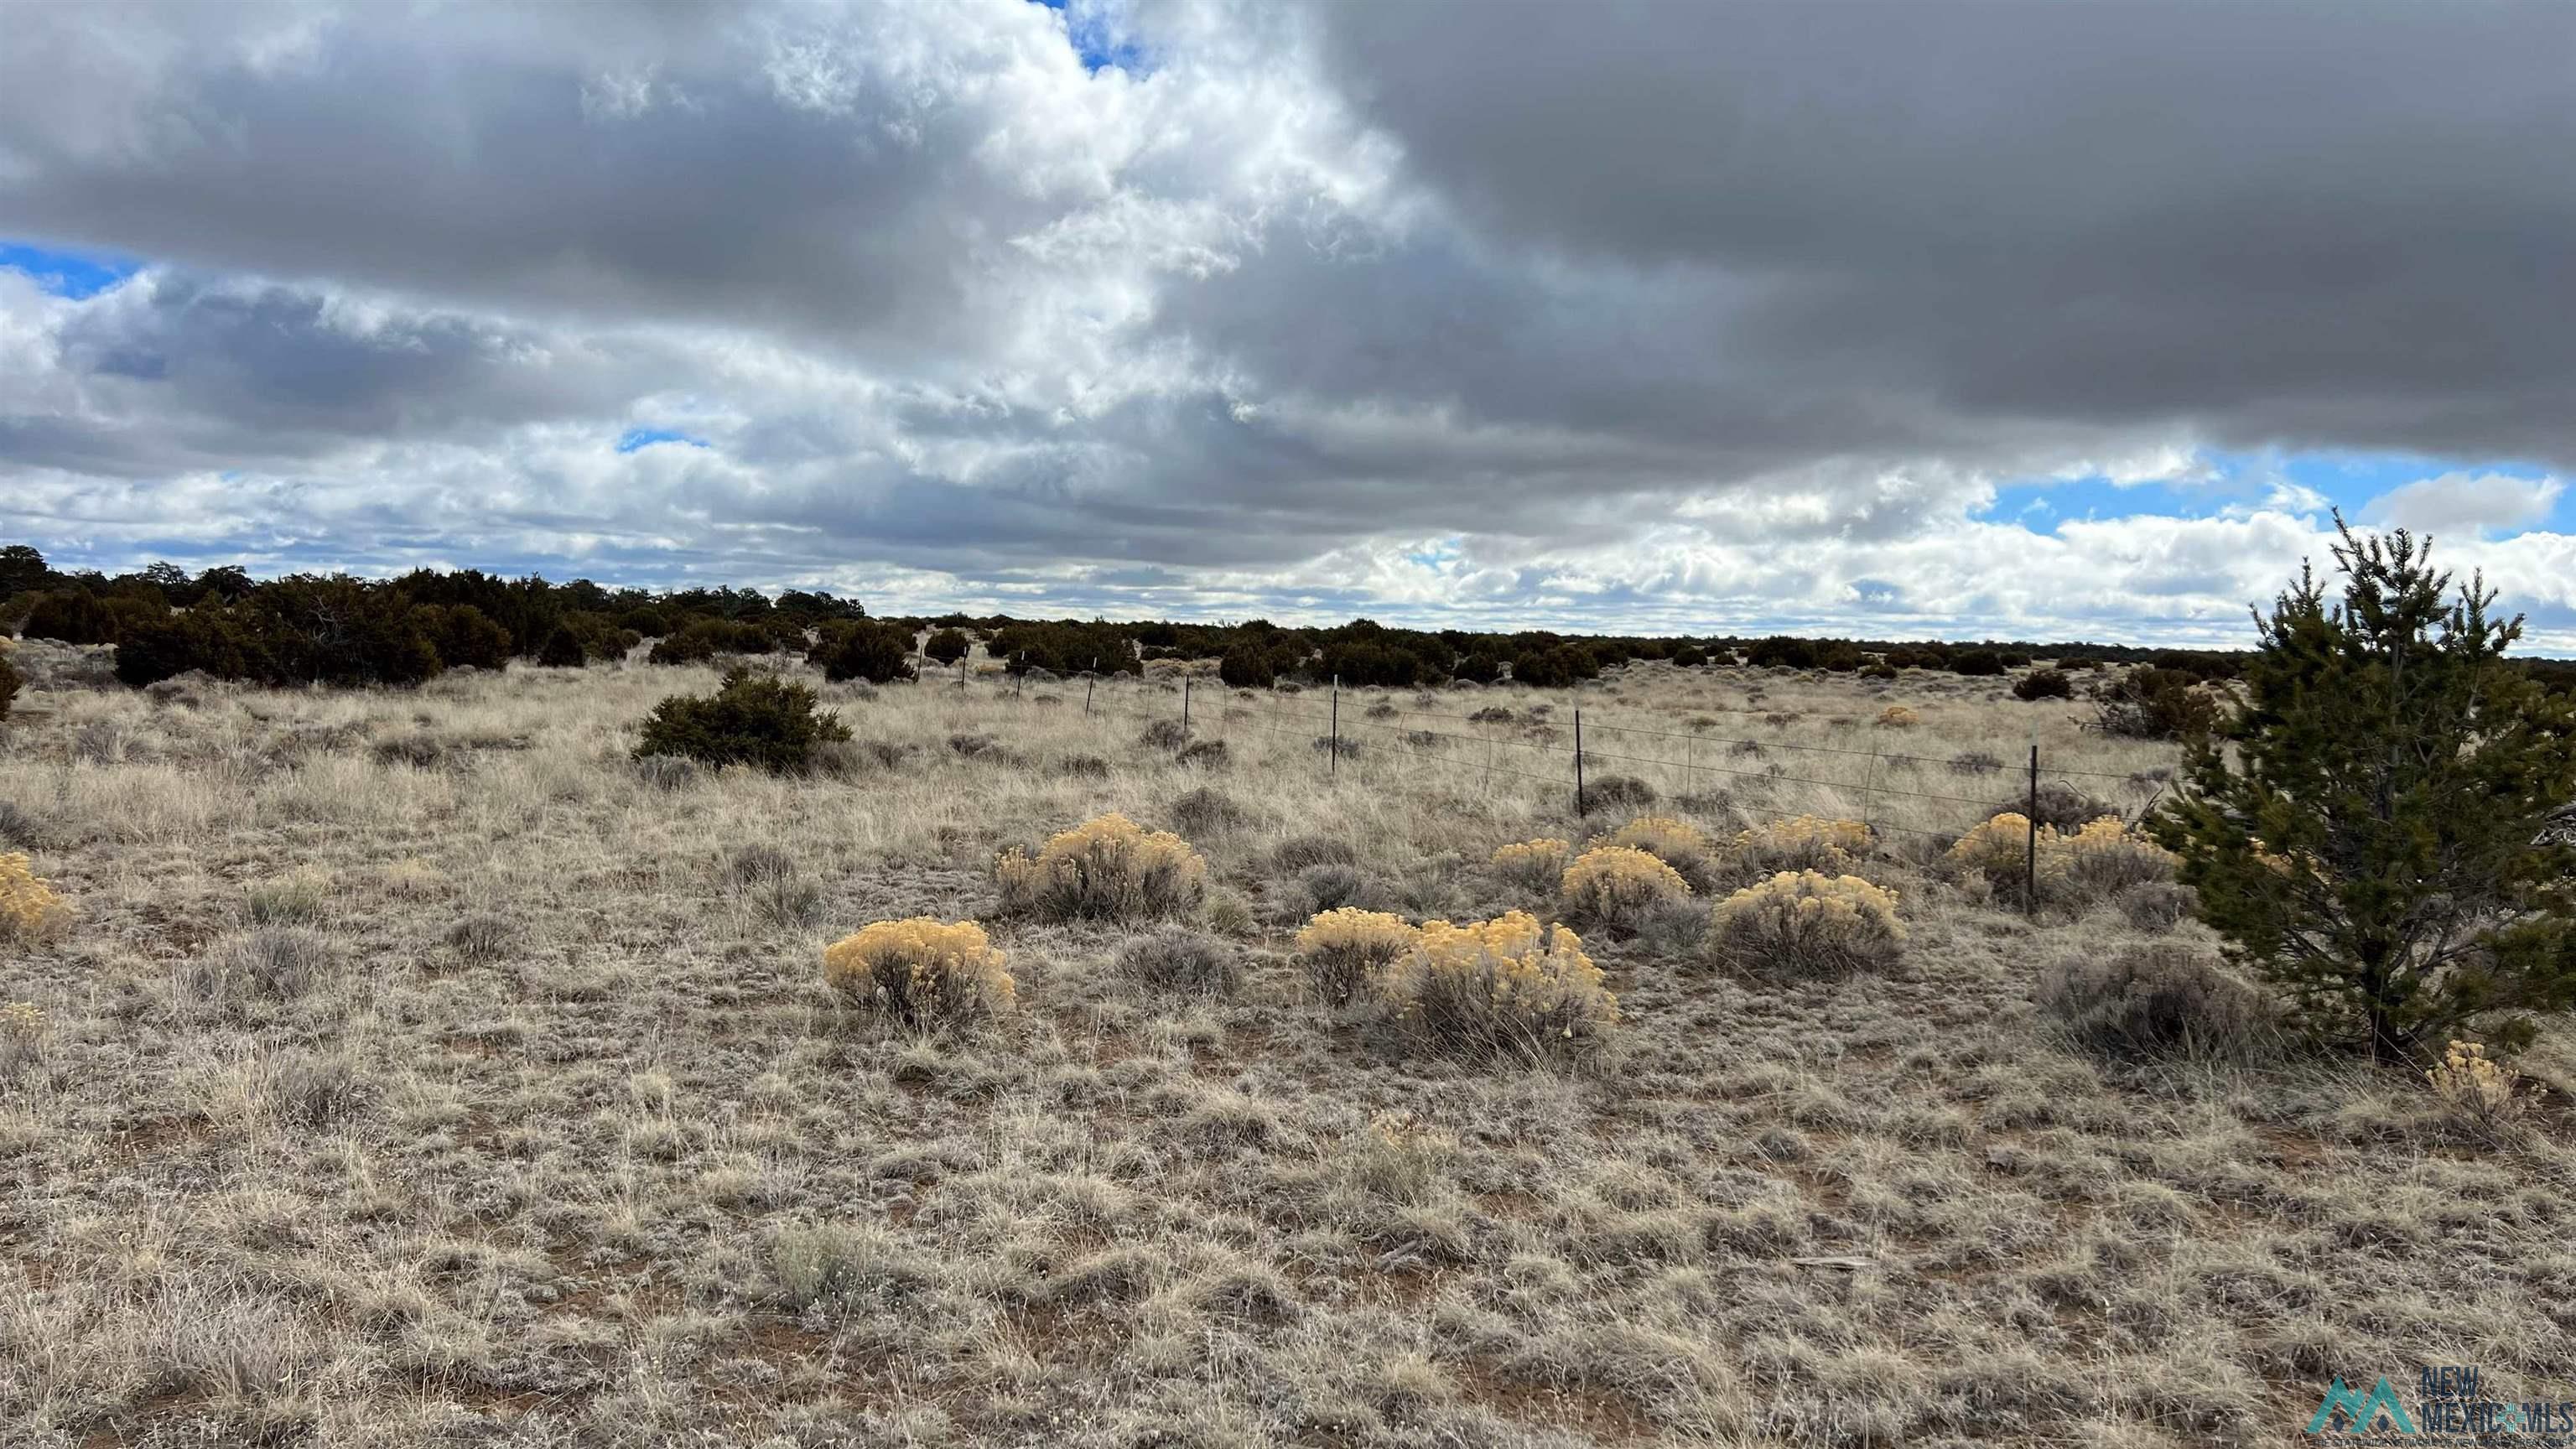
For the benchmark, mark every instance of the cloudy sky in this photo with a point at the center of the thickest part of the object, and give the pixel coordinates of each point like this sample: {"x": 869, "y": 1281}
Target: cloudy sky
{"x": 2054, "y": 317}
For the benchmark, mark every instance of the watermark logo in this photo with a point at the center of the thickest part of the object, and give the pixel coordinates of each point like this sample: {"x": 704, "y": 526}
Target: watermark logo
{"x": 2453, "y": 1406}
{"x": 2347, "y": 1411}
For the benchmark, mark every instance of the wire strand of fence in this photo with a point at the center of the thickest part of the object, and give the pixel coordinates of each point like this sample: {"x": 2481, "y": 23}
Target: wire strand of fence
{"x": 1135, "y": 700}
{"x": 1610, "y": 727}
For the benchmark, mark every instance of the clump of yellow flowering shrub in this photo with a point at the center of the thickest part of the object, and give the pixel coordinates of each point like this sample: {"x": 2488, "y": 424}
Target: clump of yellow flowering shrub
{"x": 1676, "y": 843}
{"x": 1810, "y": 842}
{"x": 1105, "y": 869}
{"x": 1342, "y": 949}
{"x": 919, "y": 971}
{"x": 1505, "y": 987}
{"x": 29, "y": 907}
{"x": 1619, "y": 886}
{"x": 1533, "y": 864}
{"x": 2106, "y": 857}
{"x": 1812, "y": 921}
{"x": 1898, "y": 717}
{"x": 2478, "y": 1086}
{"x": 1997, "y": 850}
{"x": 2099, "y": 860}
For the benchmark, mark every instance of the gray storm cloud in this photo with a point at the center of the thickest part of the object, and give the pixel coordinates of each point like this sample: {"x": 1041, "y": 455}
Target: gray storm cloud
{"x": 1711, "y": 312}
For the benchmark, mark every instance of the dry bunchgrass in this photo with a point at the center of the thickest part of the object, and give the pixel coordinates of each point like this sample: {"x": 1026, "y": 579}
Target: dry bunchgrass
{"x": 634, "y": 1177}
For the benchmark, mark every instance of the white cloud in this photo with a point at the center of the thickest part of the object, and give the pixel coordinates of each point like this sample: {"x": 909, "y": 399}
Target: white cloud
{"x": 2477, "y": 502}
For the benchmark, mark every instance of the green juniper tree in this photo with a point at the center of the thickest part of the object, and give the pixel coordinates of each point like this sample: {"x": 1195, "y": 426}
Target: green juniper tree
{"x": 2362, "y": 829}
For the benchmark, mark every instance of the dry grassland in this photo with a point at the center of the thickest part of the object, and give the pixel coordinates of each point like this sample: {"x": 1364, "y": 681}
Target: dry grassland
{"x": 421, "y": 1070}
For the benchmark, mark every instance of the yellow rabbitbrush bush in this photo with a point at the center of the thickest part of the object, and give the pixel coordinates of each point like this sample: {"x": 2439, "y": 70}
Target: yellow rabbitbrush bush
{"x": 1533, "y": 864}
{"x": 1811, "y": 921}
{"x": 1106, "y": 869}
{"x": 1620, "y": 885}
{"x": 1998, "y": 849}
{"x": 2106, "y": 857}
{"x": 1505, "y": 987}
{"x": 29, "y": 907}
{"x": 2099, "y": 860}
{"x": 921, "y": 972}
{"x": 1342, "y": 949}
{"x": 1898, "y": 717}
{"x": 1810, "y": 842}
{"x": 1676, "y": 843}
{"x": 2476, "y": 1085}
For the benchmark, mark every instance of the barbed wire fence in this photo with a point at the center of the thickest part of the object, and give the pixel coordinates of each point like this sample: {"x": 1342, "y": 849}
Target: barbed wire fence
{"x": 1700, "y": 768}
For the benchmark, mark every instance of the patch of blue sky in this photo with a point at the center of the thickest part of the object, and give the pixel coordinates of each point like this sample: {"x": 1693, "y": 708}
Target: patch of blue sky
{"x": 1099, "y": 46}
{"x": 635, "y": 438}
{"x": 66, "y": 272}
{"x": 1436, "y": 555}
{"x": 2042, "y": 504}
{"x": 2299, "y": 482}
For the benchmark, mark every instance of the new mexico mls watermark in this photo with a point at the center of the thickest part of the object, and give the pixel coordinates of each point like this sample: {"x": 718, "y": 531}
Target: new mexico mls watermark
{"x": 2451, "y": 1406}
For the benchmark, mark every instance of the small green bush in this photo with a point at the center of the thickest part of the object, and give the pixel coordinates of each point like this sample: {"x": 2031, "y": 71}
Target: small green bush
{"x": 9, "y": 683}
{"x": 2148, "y": 703}
{"x": 1977, "y": 663}
{"x": 464, "y": 636}
{"x": 205, "y": 638}
{"x": 2042, "y": 684}
{"x": 947, "y": 646}
{"x": 865, "y": 649}
{"x": 72, "y": 616}
{"x": 704, "y": 639}
{"x": 752, "y": 719}
{"x": 562, "y": 650}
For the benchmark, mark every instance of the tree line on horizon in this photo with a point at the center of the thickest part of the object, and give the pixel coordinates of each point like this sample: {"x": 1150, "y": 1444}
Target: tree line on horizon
{"x": 338, "y": 629}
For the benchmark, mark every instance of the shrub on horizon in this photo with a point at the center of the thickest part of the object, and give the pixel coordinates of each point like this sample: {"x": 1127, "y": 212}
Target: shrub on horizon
{"x": 945, "y": 646}
{"x": 751, "y": 719}
{"x": 2042, "y": 684}
{"x": 865, "y": 649}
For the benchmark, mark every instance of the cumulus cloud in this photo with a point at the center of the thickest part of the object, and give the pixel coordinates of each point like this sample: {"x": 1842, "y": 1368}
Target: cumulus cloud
{"x": 1622, "y": 316}
{"x": 2471, "y": 501}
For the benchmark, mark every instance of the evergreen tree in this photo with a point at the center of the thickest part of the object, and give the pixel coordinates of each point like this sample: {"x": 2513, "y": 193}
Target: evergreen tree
{"x": 2363, "y": 829}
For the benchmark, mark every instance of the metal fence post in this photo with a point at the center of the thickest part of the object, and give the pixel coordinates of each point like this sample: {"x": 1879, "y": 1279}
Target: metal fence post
{"x": 1867, "y": 782}
{"x": 1088, "y": 681}
{"x": 1185, "y": 709}
{"x": 2030, "y": 858}
{"x": 1333, "y": 742}
{"x": 1579, "y": 806}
